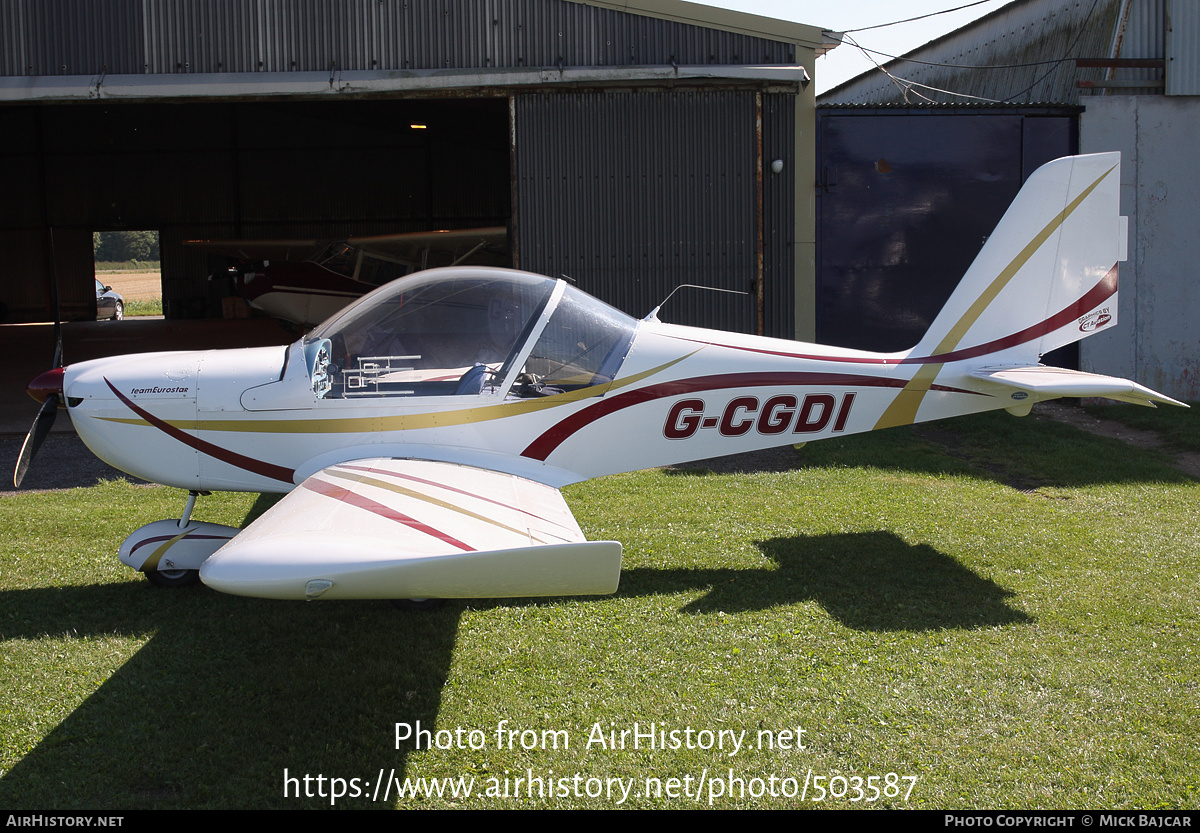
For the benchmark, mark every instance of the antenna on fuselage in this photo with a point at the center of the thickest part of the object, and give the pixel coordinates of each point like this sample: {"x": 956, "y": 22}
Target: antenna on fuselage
{"x": 653, "y": 315}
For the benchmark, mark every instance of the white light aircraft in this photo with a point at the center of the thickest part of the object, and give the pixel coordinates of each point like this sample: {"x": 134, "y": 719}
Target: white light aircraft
{"x": 422, "y": 434}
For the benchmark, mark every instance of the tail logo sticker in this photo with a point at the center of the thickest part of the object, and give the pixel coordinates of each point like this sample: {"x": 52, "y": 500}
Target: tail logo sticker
{"x": 1095, "y": 321}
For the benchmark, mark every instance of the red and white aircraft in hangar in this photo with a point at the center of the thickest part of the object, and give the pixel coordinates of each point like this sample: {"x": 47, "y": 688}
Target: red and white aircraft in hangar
{"x": 422, "y": 434}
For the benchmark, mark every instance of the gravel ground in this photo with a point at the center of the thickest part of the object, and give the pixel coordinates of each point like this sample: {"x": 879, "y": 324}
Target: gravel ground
{"x": 63, "y": 462}
{"x": 1068, "y": 412}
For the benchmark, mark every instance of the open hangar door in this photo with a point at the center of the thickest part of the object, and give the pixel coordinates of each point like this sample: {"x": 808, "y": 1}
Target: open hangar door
{"x": 906, "y": 198}
{"x": 297, "y": 168}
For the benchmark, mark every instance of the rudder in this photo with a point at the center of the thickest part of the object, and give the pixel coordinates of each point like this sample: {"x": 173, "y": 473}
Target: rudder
{"x": 1047, "y": 275}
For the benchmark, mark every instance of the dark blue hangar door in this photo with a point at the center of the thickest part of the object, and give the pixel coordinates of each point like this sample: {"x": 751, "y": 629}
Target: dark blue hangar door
{"x": 631, "y": 194}
{"x": 906, "y": 198}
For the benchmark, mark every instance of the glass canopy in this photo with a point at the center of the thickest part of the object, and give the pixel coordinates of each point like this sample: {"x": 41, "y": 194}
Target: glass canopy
{"x": 468, "y": 331}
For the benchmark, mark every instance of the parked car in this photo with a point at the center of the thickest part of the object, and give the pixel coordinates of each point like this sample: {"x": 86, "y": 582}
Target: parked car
{"x": 108, "y": 303}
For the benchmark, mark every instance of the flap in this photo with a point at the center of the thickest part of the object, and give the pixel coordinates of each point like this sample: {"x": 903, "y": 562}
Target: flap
{"x": 385, "y": 528}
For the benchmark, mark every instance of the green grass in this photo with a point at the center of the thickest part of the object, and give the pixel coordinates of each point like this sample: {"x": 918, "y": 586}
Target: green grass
{"x": 134, "y": 308}
{"x": 1003, "y": 608}
{"x": 127, "y": 266}
{"x": 1176, "y": 426}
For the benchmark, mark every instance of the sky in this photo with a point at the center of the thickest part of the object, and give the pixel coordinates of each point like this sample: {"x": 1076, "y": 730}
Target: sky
{"x": 845, "y": 62}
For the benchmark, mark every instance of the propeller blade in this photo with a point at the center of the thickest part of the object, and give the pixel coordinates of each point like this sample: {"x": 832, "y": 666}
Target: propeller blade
{"x": 57, "y": 306}
{"x": 36, "y": 436}
{"x": 46, "y": 388}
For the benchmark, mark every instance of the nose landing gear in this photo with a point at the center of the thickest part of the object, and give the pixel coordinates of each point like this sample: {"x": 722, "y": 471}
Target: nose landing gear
{"x": 170, "y": 552}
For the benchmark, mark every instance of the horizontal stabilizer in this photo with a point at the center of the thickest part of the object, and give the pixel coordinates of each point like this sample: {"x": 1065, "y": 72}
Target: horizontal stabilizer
{"x": 1043, "y": 382}
{"x": 403, "y": 529}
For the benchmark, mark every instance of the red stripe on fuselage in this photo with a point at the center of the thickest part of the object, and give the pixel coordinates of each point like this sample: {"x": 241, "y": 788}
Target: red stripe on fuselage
{"x": 1098, "y": 294}
{"x": 543, "y": 446}
{"x": 284, "y": 475}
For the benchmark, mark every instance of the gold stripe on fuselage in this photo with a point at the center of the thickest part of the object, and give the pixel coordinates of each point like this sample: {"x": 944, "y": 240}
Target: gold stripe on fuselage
{"x": 437, "y": 419}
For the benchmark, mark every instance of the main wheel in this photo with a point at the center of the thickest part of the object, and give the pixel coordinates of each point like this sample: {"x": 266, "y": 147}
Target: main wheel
{"x": 173, "y": 578}
{"x": 118, "y": 311}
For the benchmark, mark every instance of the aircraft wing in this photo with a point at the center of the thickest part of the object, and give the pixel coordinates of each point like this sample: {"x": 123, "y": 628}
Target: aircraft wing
{"x": 445, "y": 247}
{"x": 254, "y": 250}
{"x": 412, "y": 529}
{"x": 1044, "y": 382}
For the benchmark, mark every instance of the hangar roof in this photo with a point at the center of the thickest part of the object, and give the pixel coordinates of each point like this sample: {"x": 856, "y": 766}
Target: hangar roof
{"x": 1038, "y": 51}
{"x": 744, "y": 23}
{"x": 170, "y": 49}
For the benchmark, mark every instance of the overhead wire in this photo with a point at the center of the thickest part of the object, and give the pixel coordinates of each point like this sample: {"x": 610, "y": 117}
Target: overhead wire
{"x": 907, "y": 86}
{"x": 955, "y": 66}
{"x": 1067, "y": 57}
{"x": 919, "y": 17}
{"x": 901, "y": 85}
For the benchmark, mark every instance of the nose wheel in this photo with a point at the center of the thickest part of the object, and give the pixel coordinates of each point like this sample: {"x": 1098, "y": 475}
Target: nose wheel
{"x": 173, "y": 578}
{"x": 175, "y": 547}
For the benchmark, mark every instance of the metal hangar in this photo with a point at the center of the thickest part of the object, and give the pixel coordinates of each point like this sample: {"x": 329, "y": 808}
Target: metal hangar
{"x": 631, "y": 146}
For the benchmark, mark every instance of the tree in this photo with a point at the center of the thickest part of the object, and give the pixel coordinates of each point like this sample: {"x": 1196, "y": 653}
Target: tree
{"x": 122, "y": 246}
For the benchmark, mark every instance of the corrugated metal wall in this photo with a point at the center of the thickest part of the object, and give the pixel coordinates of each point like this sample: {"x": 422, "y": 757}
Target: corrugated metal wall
{"x": 633, "y": 194}
{"x": 1141, "y": 33}
{"x": 779, "y": 216}
{"x": 84, "y": 37}
{"x": 68, "y": 37}
{"x": 1183, "y": 47}
{"x": 1024, "y": 53}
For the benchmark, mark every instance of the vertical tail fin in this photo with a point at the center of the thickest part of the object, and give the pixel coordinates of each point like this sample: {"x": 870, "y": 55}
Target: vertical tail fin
{"x": 1047, "y": 276}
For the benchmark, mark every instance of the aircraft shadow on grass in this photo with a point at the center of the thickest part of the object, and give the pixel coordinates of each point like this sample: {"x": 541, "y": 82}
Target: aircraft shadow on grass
{"x": 230, "y": 717}
{"x": 868, "y": 581}
{"x": 980, "y": 447}
{"x": 223, "y": 698}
